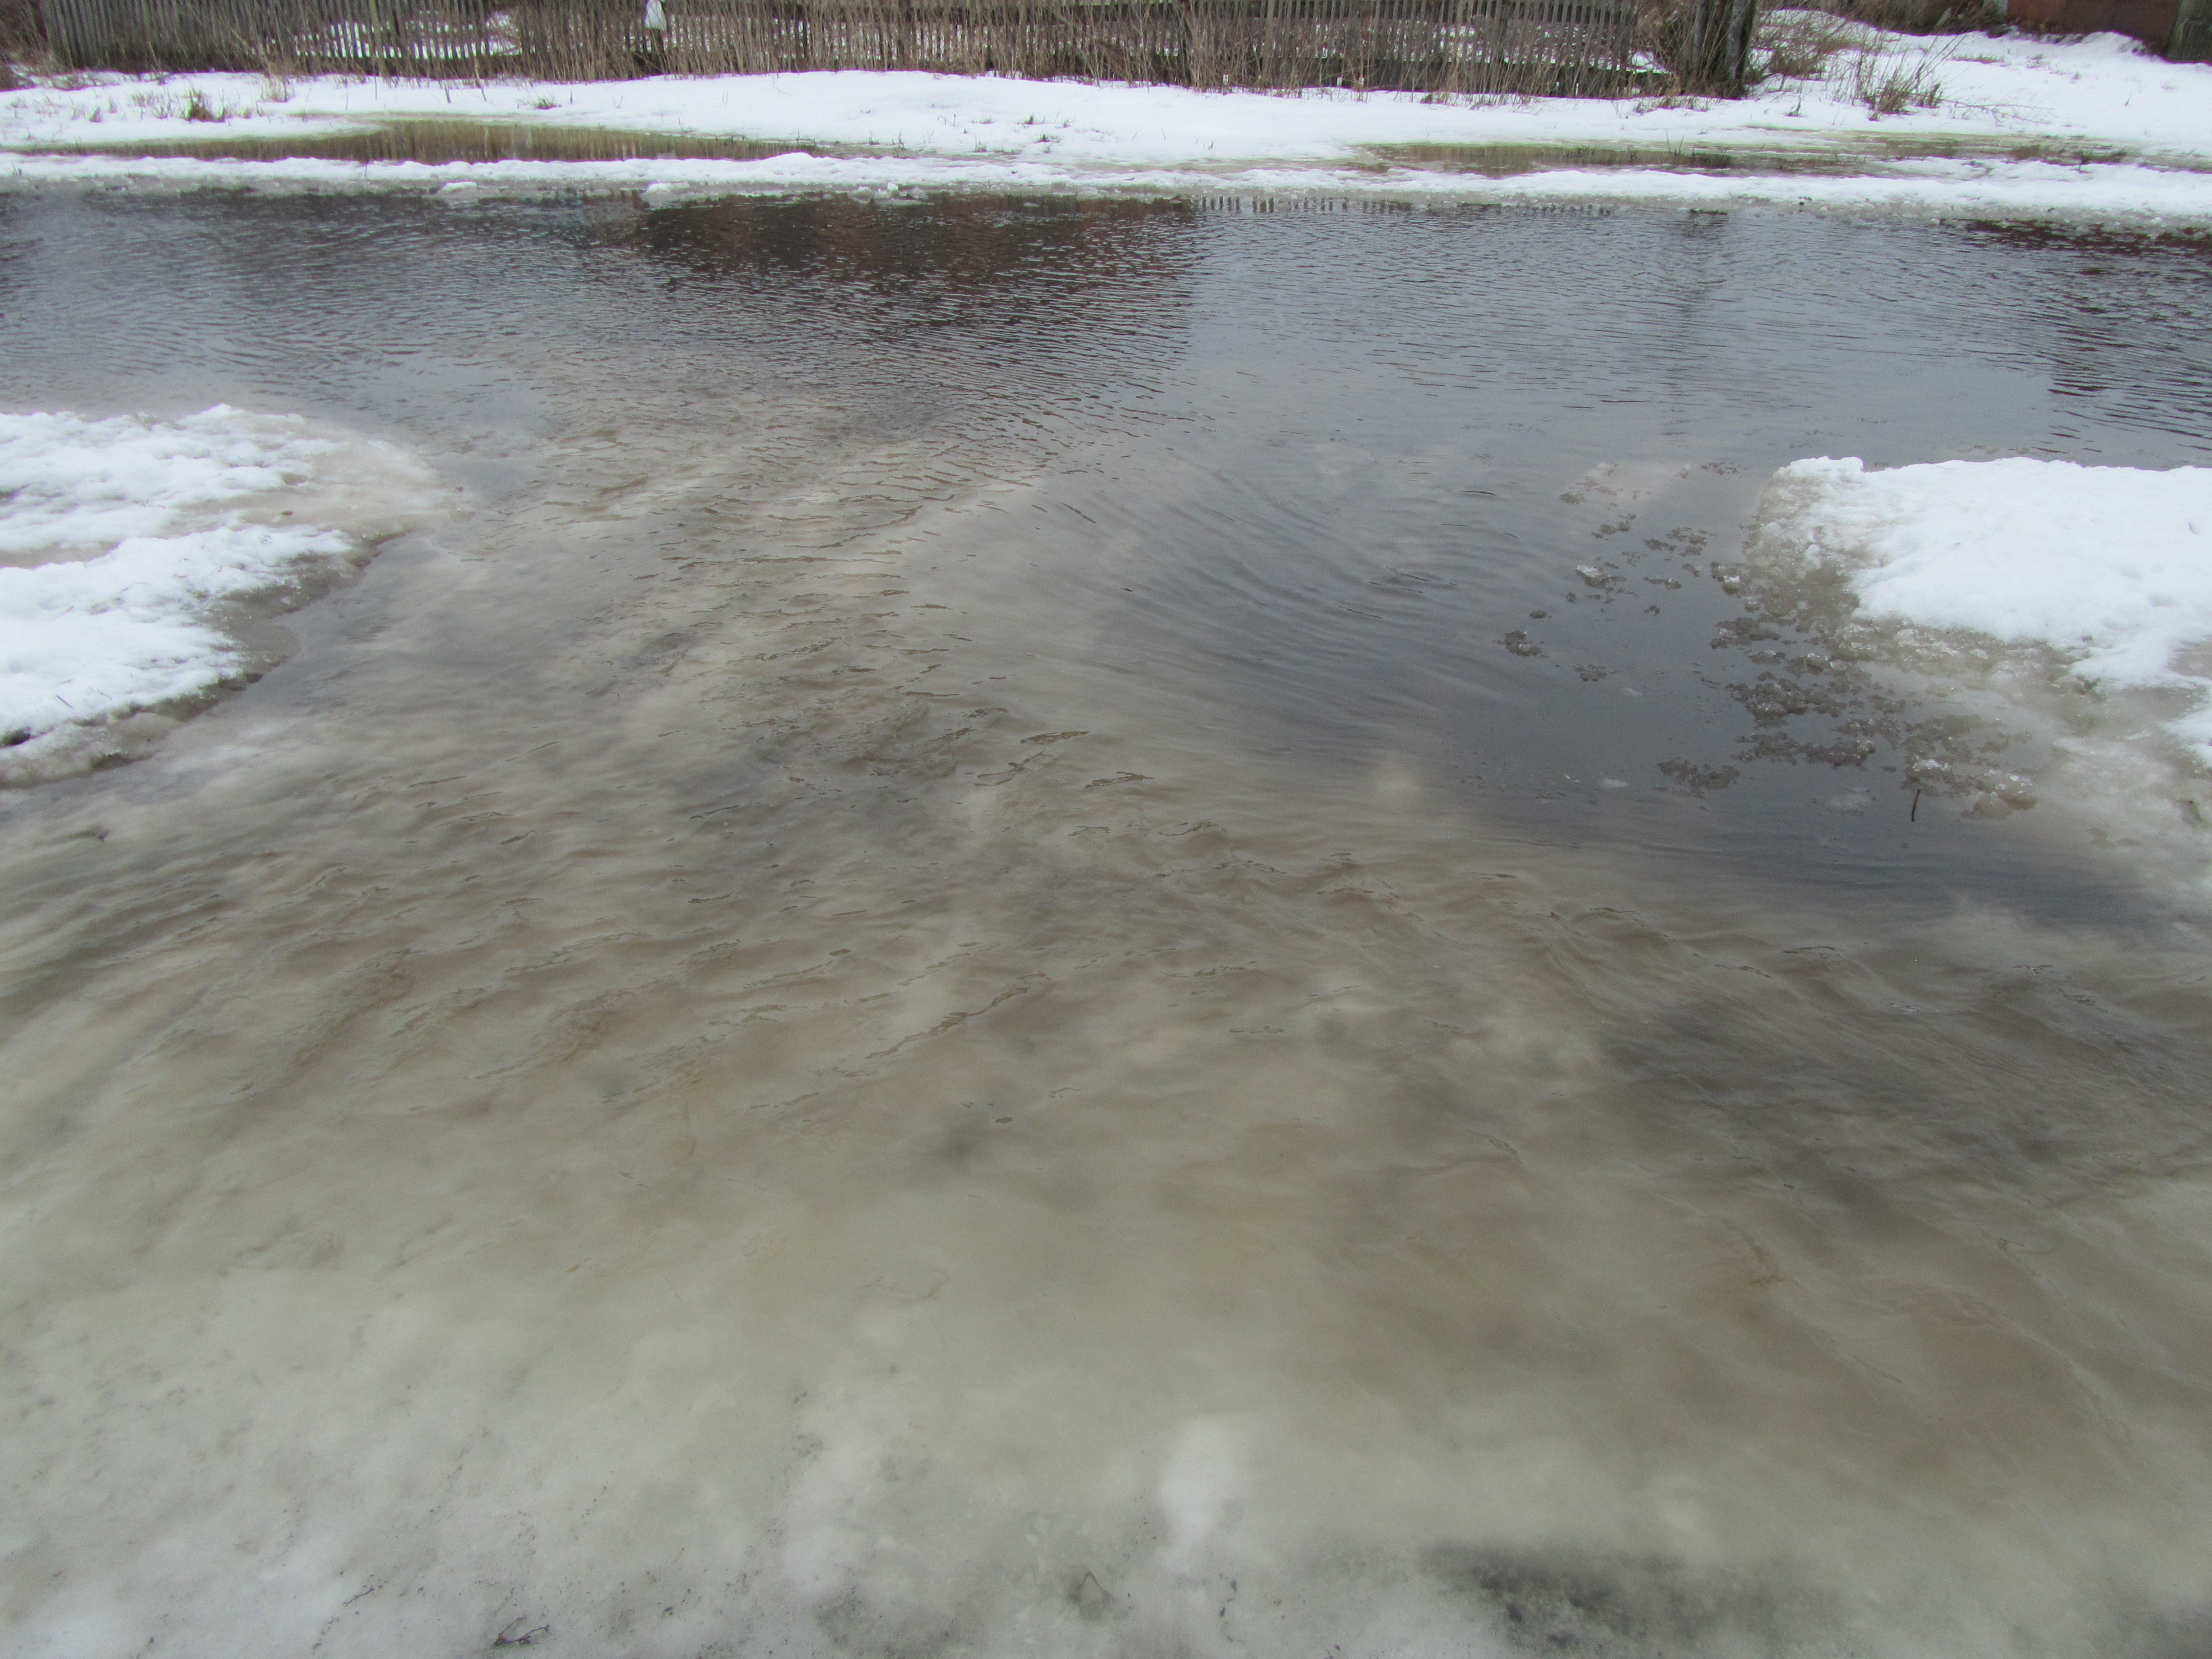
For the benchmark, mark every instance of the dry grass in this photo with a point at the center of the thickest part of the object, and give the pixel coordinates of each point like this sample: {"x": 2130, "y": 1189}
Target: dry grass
{"x": 1705, "y": 46}
{"x": 1798, "y": 45}
{"x": 22, "y": 40}
{"x": 22, "y": 30}
{"x": 1887, "y": 72}
{"x": 1891, "y": 79}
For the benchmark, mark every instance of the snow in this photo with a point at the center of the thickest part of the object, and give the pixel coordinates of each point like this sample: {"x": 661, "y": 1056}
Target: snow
{"x": 2104, "y": 89}
{"x": 2109, "y": 566}
{"x": 2094, "y": 125}
{"x": 2115, "y": 193}
{"x": 145, "y": 527}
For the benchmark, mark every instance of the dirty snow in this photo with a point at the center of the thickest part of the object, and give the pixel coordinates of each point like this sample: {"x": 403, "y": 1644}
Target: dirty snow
{"x": 121, "y": 538}
{"x": 2096, "y": 125}
{"x": 2109, "y": 566}
{"x": 2118, "y": 193}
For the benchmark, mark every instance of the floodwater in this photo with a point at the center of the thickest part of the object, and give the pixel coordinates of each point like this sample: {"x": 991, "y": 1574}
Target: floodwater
{"x": 1075, "y": 927}
{"x": 438, "y": 141}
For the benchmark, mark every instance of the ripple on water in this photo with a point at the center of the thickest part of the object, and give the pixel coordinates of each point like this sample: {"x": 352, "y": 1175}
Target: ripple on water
{"x": 933, "y": 986}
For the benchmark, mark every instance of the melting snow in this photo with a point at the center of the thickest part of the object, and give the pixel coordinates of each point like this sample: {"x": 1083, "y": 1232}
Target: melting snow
{"x": 2110, "y": 566}
{"x": 121, "y": 538}
{"x": 2095, "y": 128}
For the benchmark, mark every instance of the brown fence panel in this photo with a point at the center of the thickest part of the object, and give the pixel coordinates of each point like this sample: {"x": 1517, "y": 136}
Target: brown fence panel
{"x": 2192, "y": 40}
{"x": 1580, "y": 46}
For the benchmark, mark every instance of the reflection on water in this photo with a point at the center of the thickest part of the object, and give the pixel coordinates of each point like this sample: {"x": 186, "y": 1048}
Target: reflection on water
{"x": 938, "y": 987}
{"x": 1862, "y": 153}
{"x": 440, "y": 142}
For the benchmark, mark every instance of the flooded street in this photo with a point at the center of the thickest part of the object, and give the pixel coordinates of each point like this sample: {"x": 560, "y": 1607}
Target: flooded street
{"x": 1079, "y": 927}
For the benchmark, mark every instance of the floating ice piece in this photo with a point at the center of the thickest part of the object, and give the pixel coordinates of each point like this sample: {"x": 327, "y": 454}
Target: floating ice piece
{"x": 78, "y": 641}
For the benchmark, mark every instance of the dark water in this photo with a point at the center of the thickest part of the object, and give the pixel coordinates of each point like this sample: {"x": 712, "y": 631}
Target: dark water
{"x": 963, "y": 975}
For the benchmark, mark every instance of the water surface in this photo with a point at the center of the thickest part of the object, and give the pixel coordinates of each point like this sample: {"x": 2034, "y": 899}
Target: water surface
{"x": 440, "y": 142}
{"x": 963, "y": 974}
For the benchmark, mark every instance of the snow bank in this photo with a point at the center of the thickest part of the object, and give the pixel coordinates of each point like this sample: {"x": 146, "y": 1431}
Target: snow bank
{"x": 2117, "y": 195}
{"x": 2111, "y": 566}
{"x": 2004, "y": 102}
{"x": 145, "y": 529}
{"x": 2105, "y": 89}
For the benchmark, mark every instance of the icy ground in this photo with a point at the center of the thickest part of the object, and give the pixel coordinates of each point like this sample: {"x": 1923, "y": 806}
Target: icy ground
{"x": 2097, "y": 128}
{"x": 121, "y": 542}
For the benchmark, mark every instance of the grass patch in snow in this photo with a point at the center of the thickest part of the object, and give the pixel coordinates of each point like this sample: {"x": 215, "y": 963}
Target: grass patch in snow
{"x": 1897, "y": 76}
{"x": 1886, "y": 73}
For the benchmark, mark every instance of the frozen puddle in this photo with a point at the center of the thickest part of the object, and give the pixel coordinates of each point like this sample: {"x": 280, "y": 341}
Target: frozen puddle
{"x": 134, "y": 550}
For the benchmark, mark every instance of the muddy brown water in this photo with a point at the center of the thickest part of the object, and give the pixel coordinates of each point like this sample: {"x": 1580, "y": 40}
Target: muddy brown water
{"x": 937, "y": 984}
{"x": 438, "y": 142}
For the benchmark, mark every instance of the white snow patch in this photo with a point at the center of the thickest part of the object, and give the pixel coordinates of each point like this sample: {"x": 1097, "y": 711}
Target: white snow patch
{"x": 146, "y": 527}
{"x": 2115, "y": 194}
{"x": 2110, "y": 566}
{"x": 2105, "y": 89}
{"x": 2063, "y": 128}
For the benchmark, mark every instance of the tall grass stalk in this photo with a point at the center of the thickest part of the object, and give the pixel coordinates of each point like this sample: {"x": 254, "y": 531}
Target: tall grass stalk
{"x": 1889, "y": 74}
{"x": 1895, "y": 77}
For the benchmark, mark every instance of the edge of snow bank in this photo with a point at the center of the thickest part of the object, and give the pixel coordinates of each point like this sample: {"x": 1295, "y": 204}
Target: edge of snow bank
{"x": 2105, "y": 90}
{"x": 152, "y": 535}
{"x": 2109, "y": 566}
{"x": 2110, "y": 193}
{"x": 2091, "y": 129}
{"x": 2025, "y": 607}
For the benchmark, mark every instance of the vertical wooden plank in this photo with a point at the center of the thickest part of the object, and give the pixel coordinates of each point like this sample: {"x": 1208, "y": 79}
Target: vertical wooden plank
{"x": 2192, "y": 33}
{"x": 1445, "y": 45}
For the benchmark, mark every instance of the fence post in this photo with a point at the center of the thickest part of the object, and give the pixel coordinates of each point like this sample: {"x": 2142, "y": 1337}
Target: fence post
{"x": 63, "y": 34}
{"x": 1720, "y": 45}
{"x": 2192, "y": 33}
{"x": 1439, "y": 45}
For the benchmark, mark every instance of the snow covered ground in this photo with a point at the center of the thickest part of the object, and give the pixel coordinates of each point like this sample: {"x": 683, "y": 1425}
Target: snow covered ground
{"x": 120, "y": 541}
{"x": 2096, "y": 128}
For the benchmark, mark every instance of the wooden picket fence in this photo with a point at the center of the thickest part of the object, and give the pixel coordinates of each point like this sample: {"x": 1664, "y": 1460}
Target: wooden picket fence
{"x": 1556, "y": 47}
